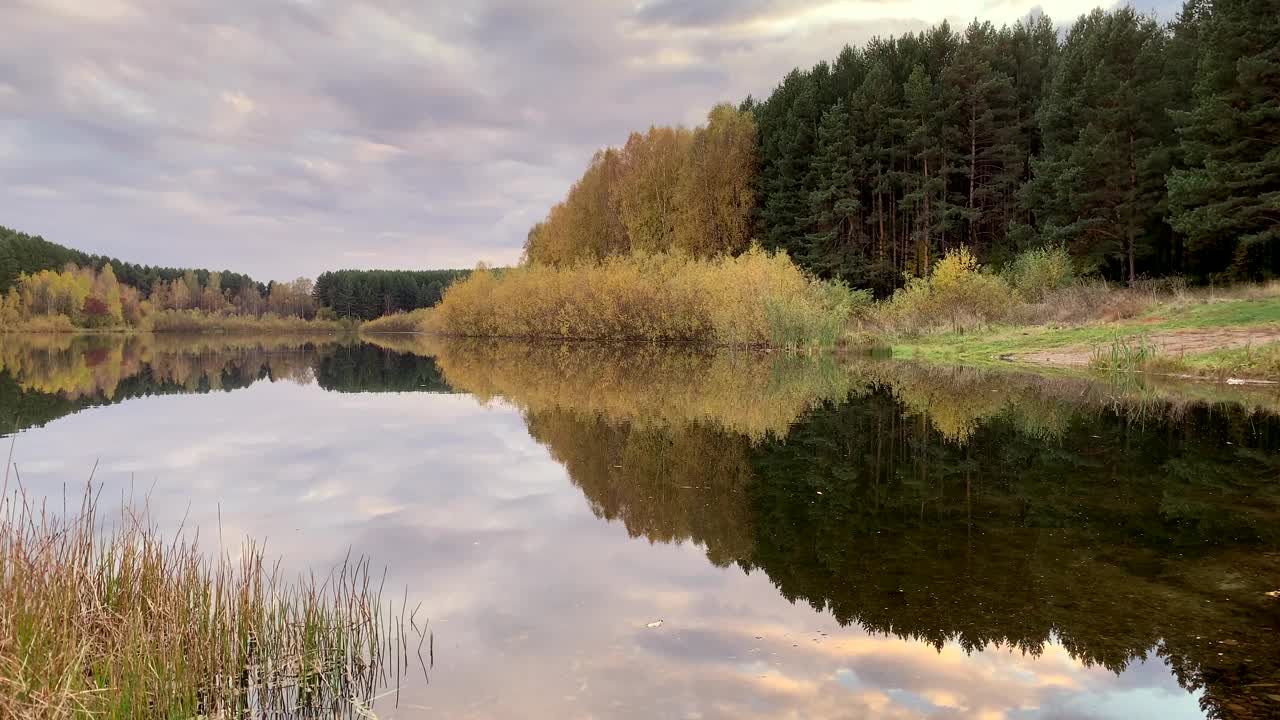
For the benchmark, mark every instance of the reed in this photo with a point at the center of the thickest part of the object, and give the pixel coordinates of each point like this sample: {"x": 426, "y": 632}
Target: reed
{"x": 1129, "y": 354}
{"x": 126, "y": 624}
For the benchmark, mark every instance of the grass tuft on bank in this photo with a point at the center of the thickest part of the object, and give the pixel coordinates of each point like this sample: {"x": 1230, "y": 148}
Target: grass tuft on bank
{"x": 126, "y": 624}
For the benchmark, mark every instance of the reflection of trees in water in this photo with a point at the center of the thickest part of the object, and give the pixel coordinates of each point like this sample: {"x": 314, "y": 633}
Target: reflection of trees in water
{"x": 665, "y": 486}
{"x": 1115, "y": 537}
{"x": 1113, "y": 532}
{"x": 44, "y": 377}
{"x": 750, "y": 393}
{"x": 361, "y": 367}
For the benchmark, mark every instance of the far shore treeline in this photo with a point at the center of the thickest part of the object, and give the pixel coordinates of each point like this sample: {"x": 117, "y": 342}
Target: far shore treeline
{"x": 46, "y": 286}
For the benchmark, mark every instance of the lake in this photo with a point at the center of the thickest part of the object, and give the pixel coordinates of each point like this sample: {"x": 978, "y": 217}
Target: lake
{"x": 647, "y": 532}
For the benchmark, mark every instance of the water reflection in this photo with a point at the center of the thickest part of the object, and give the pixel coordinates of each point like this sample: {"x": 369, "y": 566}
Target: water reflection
{"x": 44, "y": 377}
{"x": 884, "y": 540}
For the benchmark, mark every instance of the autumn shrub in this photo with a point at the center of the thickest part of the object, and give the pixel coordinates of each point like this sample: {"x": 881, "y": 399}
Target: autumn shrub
{"x": 754, "y": 299}
{"x": 958, "y": 294}
{"x": 199, "y": 321}
{"x": 1035, "y": 273}
{"x": 401, "y": 322}
{"x": 42, "y": 324}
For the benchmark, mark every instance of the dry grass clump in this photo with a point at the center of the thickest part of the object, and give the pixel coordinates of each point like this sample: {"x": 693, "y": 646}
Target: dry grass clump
{"x": 39, "y": 324}
{"x": 123, "y": 624}
{"x": 198, "y": 321}
{"x": 1082, "y": 302}
{"x": 753, "y": 299}
{"x": 401, "y": 322}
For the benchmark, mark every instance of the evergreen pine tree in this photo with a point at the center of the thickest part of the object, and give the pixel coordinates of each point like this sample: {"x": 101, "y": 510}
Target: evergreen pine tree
{"x": 1095, "y": 188}
{"x": 1227, "y": 201}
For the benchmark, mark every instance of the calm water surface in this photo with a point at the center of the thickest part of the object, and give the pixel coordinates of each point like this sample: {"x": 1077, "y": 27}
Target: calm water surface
{"x": 652, "y": 533}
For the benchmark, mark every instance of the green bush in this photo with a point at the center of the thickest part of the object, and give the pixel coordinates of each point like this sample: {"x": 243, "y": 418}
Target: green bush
{"x": 1036, "y": 273}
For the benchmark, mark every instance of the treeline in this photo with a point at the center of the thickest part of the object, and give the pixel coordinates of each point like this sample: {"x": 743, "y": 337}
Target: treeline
{"x": 81, "y": 297}
{"x": 1142, "y": 148}
{"x": 369, "y": 294}
{"x": 666, "y": 189}
{"x": 29, "y": 254}
{"x": 63, "y": 288}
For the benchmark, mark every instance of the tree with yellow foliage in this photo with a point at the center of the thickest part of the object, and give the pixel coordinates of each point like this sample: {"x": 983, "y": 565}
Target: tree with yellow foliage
{"x": 646, "y": 194}
{"x": 714, "y": 196}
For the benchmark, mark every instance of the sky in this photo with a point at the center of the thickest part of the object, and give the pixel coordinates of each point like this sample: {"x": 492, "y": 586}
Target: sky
{"x": 283, "y": 138}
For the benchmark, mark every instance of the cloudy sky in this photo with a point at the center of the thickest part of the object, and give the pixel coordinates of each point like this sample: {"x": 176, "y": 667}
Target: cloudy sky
{"x": 286, "y": 137}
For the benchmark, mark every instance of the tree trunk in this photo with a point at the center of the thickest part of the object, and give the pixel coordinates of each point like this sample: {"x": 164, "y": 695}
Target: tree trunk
{"x": 973, "y": 173}
{"x": 1132, "y": 231}
{"x": 880, "y": 216}
{"x": 925, "y": 234}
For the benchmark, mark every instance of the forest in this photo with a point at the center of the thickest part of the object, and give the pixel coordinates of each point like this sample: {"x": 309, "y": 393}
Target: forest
{"x": 370, "y": 294}
{"x": 21, "y": 253}
{"x": 46, "y": 286}
{"x": 1143, "y": 149}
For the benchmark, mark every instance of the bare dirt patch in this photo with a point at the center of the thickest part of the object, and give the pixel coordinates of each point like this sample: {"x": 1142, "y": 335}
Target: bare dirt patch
{"x": 1170, "y": 342}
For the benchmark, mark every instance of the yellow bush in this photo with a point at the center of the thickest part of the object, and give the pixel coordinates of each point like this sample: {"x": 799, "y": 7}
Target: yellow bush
{"x": 42, "y": 324}
{"x": 958, "y": 293}
{"x": 756, "y": 298}
{"x": 401, "y": 322}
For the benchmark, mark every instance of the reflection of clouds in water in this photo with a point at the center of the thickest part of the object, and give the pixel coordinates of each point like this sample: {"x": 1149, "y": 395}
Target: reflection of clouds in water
{"x": 539, "y": 609}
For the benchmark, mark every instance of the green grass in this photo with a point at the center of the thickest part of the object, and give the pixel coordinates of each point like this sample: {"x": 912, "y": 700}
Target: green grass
{"x": 1262, "y": 361}
{"x": 990, "y": 345}
{"x": 1223, "y": 313}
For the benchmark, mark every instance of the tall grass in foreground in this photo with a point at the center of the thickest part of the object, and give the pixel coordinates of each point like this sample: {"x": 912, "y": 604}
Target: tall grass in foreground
{"x": 753, "y": 299}
{"x": 127, "y": 625}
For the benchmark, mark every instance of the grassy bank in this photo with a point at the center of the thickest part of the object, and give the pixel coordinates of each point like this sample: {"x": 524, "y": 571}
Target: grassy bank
{"x": 1212, "y": 333}
{"x": 188, "y": 322}
{"x": 1036, "y": 311}
{"x": 753, "y": 299}
{"x": 129, "y": 624}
